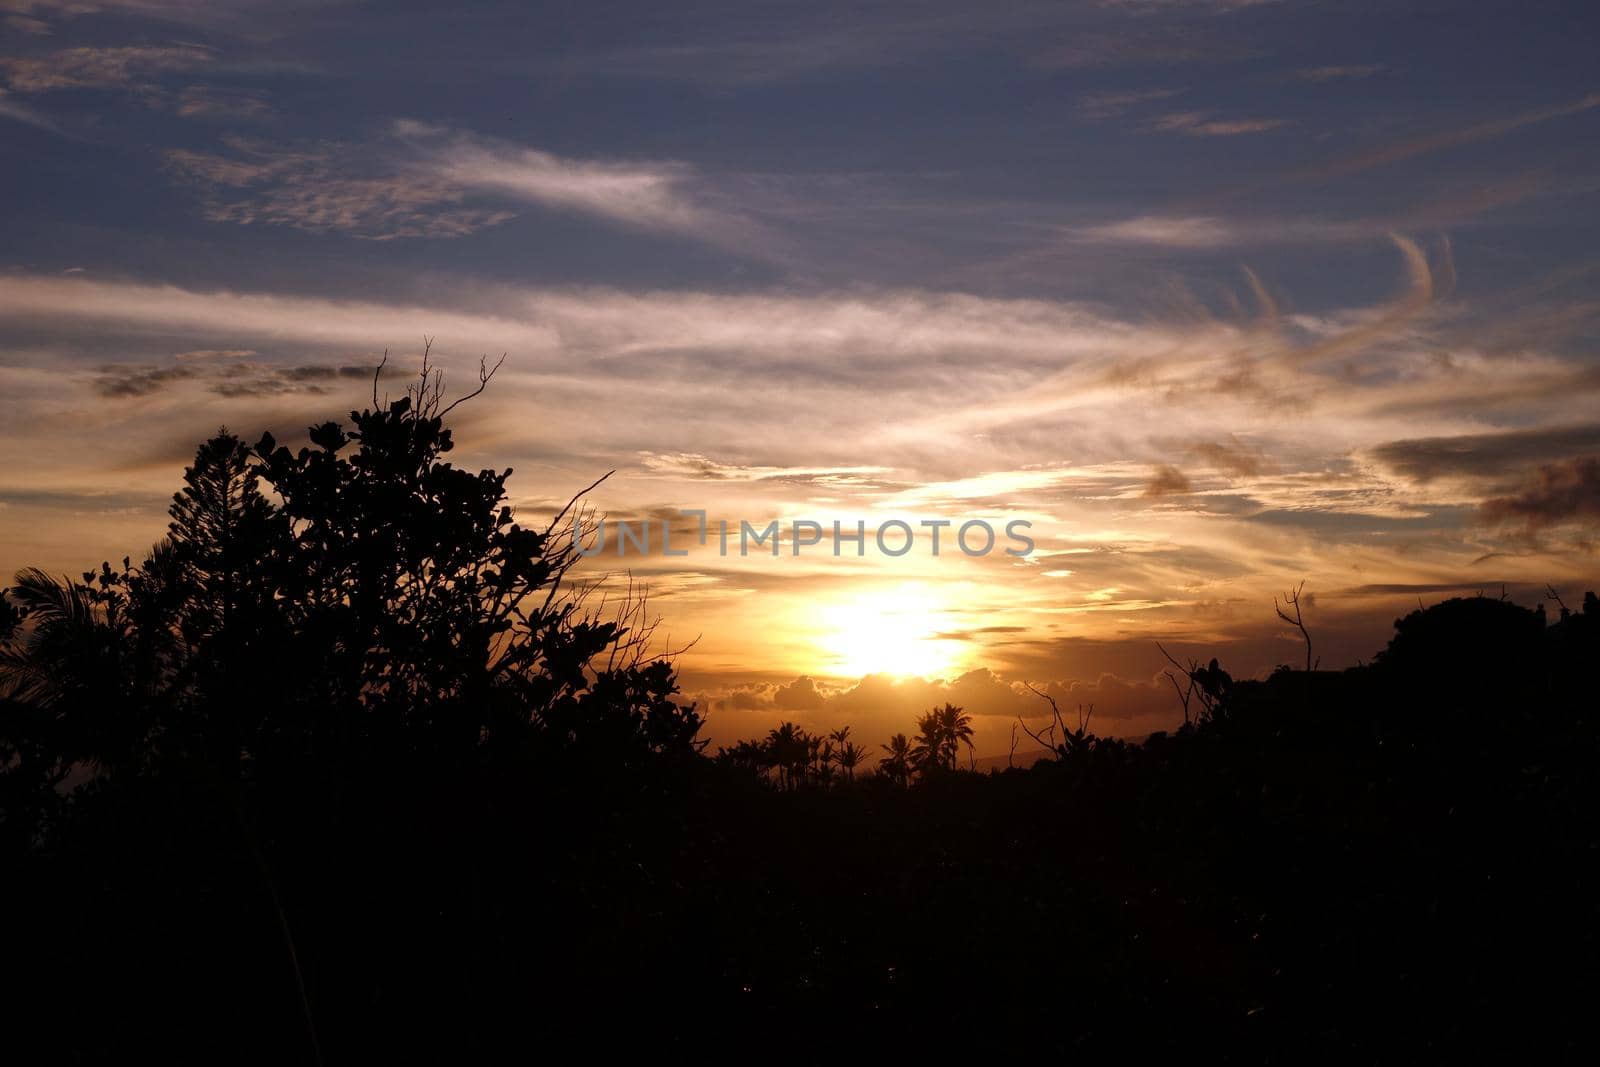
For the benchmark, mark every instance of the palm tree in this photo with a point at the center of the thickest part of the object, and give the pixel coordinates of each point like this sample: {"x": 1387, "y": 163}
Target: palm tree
{"x": 790, "y": 749}
{"x": 928, "y": 753}
{"x": 940, "y": 734}
{"x": 846, "y": 753}
{"x": 896, "y": 766}
{"x": 66, "y": 654}
{"x": 955, "y": 729}
{"x": 819, "y": 758}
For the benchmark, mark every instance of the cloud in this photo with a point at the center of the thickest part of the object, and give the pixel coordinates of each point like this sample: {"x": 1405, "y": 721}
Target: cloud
{"x": 281, "y": 381}
{"x": 793, "y": 42}
{"x": 130, "y": 67}
{"x": 317, "y": 189}
{"x": 648, "y": 195}
{"x": 1231, "y": 457}
{"x": 1564, "y": 491}
{"x": 1214, "y": 7}
{"x": 1165, "y": 480}
{"x": 1030, "y": 393}
{"x": 1201, "y": 232}
{"x": 27, "y": 24}
{"x": 430, "y": 182}
{"x": 117, "y": 382}
{"x": 1156, "y": 43}
{"x": 979, "y": 691}
{"x": 759, "y": 403}
{"x": 1444, "y": 139}
{"x": 216, "y": 353}
{"x": 17, "y": 112}
{"x": 693, "y": 465}
{"x": 1336, "y": 73}
{"x": 1202, "y": 124}
{"x": 1387, "y": 589}
{"x": 800, "y": 694}
{"x": 1484, "y": 456}
{"x": 1113, "y": 104}
{"x": 229, "y": 378}
{"x": 211, "y": 102}
{"x": 1163, "y": 231}
{"x": 1349, "y": 339}
{"x": 81, "y": 501}
{"x": 895, "y": 327}
{"x": 190, "y": 12}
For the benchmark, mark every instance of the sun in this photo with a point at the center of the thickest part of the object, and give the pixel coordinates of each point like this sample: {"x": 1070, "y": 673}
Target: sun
{"x": 892, "y": 631}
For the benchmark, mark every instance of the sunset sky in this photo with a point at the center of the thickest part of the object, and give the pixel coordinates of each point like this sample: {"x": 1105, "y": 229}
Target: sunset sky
{"x": 1220, "y": 295}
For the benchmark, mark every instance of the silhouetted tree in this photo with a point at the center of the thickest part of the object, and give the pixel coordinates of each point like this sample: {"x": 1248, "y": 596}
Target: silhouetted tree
{"x": 896, "y": 763}
{"x": 216, "y": 577}
{"x": 387, "y": 604}
{"x": 845, "y": 752}
{"x": 941, "y": 733}
{"x": 789, "y": 751}
{"x": 432, "y": 617}
{"x": 68, "y": 657}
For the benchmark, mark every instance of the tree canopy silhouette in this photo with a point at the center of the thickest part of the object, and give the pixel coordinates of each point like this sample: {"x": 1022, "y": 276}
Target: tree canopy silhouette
{"x": 354, "y": 600}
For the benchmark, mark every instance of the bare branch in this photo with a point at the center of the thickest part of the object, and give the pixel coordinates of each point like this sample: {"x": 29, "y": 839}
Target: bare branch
{"x": 376, "y": 373}
{"x": 1292, "y": 600}
{"x": 1049, "y": 745}
{"x": 579, "y": 495}
{"x": 1055, "y": 709}
{"x": 485, "y": 373}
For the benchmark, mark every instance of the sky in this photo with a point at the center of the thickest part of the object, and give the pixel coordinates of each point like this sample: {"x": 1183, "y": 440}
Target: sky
{"x": 1220, "y": 296}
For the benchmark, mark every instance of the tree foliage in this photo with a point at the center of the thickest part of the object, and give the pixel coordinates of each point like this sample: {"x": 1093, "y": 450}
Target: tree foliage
{"x": 357, "y": 600}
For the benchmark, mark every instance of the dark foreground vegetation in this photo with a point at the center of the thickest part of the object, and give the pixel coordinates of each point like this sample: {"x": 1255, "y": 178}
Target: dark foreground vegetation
{"x": 343, "y": 772}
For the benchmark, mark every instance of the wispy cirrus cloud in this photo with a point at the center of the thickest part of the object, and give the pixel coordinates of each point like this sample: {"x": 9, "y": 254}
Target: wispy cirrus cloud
{"x": 1211, "y": 231}
{"x": 1110, "y": 105}
{"x": 1206, "y": 124}
{"x": 1197, "y": 231}
{"x": 323, "y": 188}
{"x": 129, "y": 67}
{"x": 893, "y": 327}
{"x": 19, "y": 112}
{"x": 425, "y": 181}
{"x": 694, "y": 465}
{"x": 1445, "y": 139}
{"x": 1348, "y": 72}
{"x": 216, "y": 102}
{"x": 27, "y": 24}
{"x": 1153, "y": 7}
{"x": 191, "y": 12}
{"x": 650, "y": 195}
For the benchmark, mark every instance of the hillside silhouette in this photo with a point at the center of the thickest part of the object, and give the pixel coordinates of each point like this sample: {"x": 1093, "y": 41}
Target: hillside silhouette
{"x": 347, "y": 768}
